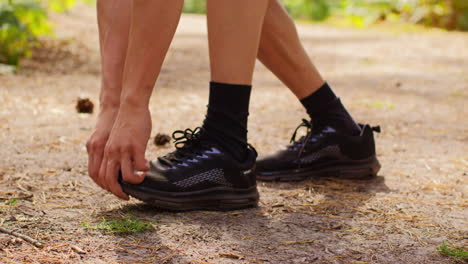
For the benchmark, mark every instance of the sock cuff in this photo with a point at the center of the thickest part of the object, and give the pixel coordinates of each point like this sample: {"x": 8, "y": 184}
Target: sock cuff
{"x": 226, "y": 119}
{"x": 234, "y": 98}
{"x": 319, "y": 100}
{"x": 228, "y": 85}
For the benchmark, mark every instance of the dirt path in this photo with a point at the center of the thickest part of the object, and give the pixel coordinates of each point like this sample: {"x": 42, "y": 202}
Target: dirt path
{"x": 415, "y": 85}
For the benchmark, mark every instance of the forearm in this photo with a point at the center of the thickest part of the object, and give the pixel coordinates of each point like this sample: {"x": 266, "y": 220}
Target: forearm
{"x": 153, "y": 25}
{"x": 114, "y": 26}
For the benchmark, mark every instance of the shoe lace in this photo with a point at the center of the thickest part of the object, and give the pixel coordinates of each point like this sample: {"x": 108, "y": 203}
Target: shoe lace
{"x": 303, "y": 140}
{"x": 187, "y": 137}
{"x": 305, "y": 123}
{"x": 188, "y": 144}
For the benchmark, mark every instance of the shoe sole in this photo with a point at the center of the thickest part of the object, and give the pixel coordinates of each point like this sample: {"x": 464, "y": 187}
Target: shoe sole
{"x": 213, "y": 199}
{"x": 359, "y": 170}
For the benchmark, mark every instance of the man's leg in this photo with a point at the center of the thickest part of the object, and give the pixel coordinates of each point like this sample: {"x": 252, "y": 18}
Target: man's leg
{"x": 234, "y": 29}
{"x": 153, "y": 24}
{"x": 336, "y": 146}
{"x": 213, "y": 167}
{"x": 282, "y": 52}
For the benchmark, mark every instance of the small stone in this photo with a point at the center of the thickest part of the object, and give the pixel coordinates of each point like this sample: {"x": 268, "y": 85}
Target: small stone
{"x": 16, "y": 241}
{"x": 84, "y": 105}
{"x": 161, "y": 139}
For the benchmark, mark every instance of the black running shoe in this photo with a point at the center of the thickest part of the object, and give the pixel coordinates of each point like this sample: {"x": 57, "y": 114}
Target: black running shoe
{"x": 198, "y": 175}
{"x": 323, "y": 152}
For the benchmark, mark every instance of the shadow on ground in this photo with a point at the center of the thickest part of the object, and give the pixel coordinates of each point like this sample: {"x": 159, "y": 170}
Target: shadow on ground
{"x": 303, "y": 231}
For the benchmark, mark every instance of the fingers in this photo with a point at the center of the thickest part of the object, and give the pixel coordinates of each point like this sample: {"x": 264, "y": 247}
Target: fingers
{"x": 112, "y": 172}
{"x": 101, "y": 180}
{"x": 95, "y": 149}
{"x": 139, "y": 161}
{"x": 91, "y": 166}
{"x": 128, "y": 173}
{"x": 104, "y": 166}
{"x": 95, "y": 164}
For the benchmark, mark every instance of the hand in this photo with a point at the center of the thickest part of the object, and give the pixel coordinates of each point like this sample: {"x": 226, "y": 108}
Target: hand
{"x": 98, "y": 139}
{"x": 125, "y": 150}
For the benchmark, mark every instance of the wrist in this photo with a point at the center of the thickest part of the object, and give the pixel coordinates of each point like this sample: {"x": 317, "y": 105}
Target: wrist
{"x": 108, "y": 107}
{"x": 109, "y": 102}
{"x": 133, "y": 107}
{"x": 133, "y": 103}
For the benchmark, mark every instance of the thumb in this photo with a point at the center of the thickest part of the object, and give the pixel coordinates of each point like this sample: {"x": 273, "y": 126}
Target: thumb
{"x": 140, "y": 163}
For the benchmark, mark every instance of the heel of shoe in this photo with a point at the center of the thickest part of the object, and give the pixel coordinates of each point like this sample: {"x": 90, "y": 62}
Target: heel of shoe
{"x": 361, "y": 173}
{"x": 236, "y": 204}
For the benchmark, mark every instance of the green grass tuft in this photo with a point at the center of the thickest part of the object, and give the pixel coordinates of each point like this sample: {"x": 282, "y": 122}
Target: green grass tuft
{"x": 458, "y": 253}
{"x": 13, "y": 202}
{"x": 128, "y": 225}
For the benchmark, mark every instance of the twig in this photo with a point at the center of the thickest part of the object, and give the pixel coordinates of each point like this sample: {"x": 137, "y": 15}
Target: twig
{"x": 201, "y": 261}
{"x": 77, "y": 249}
{"x": 24, "y": 237}
{"x": 24, "y": 197}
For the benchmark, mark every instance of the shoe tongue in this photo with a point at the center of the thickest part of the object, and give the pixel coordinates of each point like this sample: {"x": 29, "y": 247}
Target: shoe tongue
{"x": 178, "y": 155}
{"x": 318, "y": 131}
{"x": 328, "y": 129}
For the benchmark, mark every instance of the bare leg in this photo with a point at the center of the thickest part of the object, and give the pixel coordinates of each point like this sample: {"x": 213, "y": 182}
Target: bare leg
{"x": 234, "y": 28}
{"x": 153, "y": 24}
{"x": 282, "y": 52}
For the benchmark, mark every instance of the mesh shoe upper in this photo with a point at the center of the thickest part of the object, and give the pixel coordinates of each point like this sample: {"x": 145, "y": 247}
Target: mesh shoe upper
{"x": 198, "y": 164}
{"x": 321, "y": 146}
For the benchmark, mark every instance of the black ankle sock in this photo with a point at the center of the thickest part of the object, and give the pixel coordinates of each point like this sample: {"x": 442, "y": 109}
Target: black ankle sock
{"x": 226, "y": 120}
{"x": 326, "y": 109}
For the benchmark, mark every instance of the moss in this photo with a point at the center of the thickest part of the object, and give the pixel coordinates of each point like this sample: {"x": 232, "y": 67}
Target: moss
{"x": 127, "y": 225}
{"x": 458, "y": 253}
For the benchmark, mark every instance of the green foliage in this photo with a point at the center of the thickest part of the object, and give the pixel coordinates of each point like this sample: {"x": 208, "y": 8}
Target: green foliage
{"x": 21, "y": 22}
{"x": 64, "y": 5}
{"x": 459, "y": 14}
{"x": 316, "y": 10}
{"x": 451, "y": 14}
{"x": 458, "y": 253}
{"x": 195, "y": 6}
{"x": 60, "y": 5}
{"x": 126, "y": 225}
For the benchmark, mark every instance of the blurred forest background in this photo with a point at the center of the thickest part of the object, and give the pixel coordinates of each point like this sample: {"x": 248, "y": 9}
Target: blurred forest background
{"x": 24, "y": 22}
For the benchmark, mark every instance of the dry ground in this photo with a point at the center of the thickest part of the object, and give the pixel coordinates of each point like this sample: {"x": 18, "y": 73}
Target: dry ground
{"x": 414, "y": 84}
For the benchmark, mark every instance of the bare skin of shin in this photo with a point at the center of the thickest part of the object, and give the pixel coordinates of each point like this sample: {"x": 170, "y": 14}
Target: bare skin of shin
{"x": 234, "y": 30}
{"x": 282, "y": 53}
